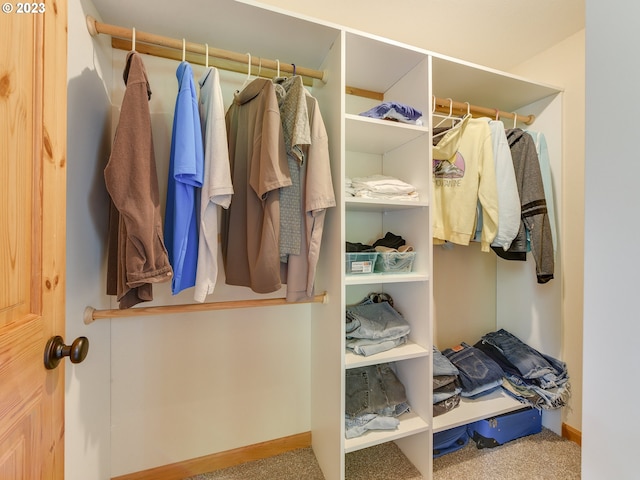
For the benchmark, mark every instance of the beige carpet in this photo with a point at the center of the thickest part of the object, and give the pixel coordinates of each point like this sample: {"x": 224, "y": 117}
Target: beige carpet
{"x": 544, "y": 456}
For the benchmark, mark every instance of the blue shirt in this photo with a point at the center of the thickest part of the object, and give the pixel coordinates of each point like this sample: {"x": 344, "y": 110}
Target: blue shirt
{"x": 186, "y": 167}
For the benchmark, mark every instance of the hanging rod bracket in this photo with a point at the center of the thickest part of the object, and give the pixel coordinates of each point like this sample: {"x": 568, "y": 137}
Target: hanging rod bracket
{"x": 91, "y": 26}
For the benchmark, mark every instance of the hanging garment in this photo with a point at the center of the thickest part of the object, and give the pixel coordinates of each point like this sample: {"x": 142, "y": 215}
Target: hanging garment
{"x": 258, "y": 159}
{"x": 297, "y": 133}
{"x": 535, "y": 220}
{"x": 545, "y": 170}
{"x": 217, "y": 188}
{"x": 316, "y": 195}
{"x": 186, "y": 167}
{"x": 463, "y": 174}
{"x": 507, "y": 188}
{"x": 137, "y": 255}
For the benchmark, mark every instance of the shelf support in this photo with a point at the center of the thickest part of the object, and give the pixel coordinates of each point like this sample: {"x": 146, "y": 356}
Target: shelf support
{"x": 91, "y": 314}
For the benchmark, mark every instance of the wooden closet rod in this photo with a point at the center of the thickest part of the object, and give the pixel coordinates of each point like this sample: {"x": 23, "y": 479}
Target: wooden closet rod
{"x": 444, "y": 105}
{"x": 91, "y": 314}
{"x": 166, "y": 47}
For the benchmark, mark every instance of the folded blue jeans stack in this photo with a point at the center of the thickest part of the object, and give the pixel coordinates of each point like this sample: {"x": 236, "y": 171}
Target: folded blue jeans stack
{"x": 532, "y": 377}
{"x": 374, "y": 398}
{"x": 374, "y": 326}
{"x": 479, "y": 374}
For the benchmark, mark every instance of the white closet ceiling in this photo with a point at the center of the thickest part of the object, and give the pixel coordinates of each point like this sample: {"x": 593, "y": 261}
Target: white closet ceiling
{"x": 495, "y": 33}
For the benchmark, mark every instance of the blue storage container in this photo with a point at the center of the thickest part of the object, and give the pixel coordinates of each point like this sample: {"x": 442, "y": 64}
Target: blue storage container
{"x": 495, "y": 431}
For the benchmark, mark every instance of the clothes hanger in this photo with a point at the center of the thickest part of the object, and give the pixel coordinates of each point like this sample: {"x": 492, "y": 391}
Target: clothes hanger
{"x": 184, "y": 49}
{"x": 444, "y": 118}
{"x": 248, "y": 79}
{"x": 206, "y": 61}
{"x": 515, "y": 119}
{"x": 133, "y": 39}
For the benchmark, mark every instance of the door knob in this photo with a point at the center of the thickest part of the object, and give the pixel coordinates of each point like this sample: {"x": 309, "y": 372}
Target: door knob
{"x": 56, "y": 350}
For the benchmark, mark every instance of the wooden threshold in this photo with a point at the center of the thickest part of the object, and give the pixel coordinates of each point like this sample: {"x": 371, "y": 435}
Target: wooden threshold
{"x": 572, "y": 434}
{"x": 217, "y": 461}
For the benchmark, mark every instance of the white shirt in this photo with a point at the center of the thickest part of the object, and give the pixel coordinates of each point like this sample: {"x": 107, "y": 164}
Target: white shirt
{"x": 217, "y": 188}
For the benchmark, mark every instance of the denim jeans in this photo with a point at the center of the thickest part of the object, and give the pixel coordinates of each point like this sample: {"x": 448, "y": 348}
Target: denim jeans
{"x": 479, "y": 374}
{"x": 354, "y": 427}
{"x": 530, "y": 363}
{"x": 365, "y": 347}
{"x": 442, "y": 365}
{"x": 373, "y": 389}
{"x": 536, "y": 396}
{"x": 375, "y": 321}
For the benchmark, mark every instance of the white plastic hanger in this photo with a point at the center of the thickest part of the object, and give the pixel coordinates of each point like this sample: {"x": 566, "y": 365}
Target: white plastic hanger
{"x": 206, "y": 61}
{"x": 515, "y": 119}
{"x": 453, "y": 118}
{"x": 444, "y": 118}
{"x": 184, "y": 49}
{"x": 248, "y": 79}
{"x": 133, "y": 39}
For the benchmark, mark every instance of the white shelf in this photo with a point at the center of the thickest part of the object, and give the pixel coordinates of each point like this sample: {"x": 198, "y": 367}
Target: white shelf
{"x": 402, "y": 352}
{"x": 373, "y": 278}
{"x": 372, "y": 135}
{"x": 410, "y": 424}
{"x": 496, "y": 403}
{"x": 357, "y": 204}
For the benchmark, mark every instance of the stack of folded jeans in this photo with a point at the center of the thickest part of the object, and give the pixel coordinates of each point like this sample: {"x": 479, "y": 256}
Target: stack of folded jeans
{"x": 532, "y": 377}
{"x": 479, "y": 374}
{"x": 375, "y": 397}
{"x": 446, "y": 385}
{"x": 374, "y": 326}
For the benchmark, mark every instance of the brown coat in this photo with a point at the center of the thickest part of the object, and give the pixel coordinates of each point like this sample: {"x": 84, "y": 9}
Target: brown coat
{"x": 137, "y": 255}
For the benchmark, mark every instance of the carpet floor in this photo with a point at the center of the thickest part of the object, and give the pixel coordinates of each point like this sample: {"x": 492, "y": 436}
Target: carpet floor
{"x": 544, "y": 456}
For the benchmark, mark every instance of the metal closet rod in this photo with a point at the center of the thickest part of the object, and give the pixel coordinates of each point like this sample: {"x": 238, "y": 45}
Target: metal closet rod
{"x": 91, "y": 314}
{"x": 447, "y": 105}
{"x": 172, "y": 48}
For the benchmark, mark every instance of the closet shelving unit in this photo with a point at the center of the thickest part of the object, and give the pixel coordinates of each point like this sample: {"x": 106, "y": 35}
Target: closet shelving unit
{"x": 374, "y": 146}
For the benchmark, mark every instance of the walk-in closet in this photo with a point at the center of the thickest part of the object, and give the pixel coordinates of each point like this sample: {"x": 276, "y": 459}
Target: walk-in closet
{"x": 187, "y": 381}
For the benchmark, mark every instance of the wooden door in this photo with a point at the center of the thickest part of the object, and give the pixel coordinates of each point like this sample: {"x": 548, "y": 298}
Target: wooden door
{"x": 33, "y": 76}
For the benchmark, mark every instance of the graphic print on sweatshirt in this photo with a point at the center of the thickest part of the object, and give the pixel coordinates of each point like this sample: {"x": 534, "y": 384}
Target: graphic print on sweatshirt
{"x": 448, "y": 174}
